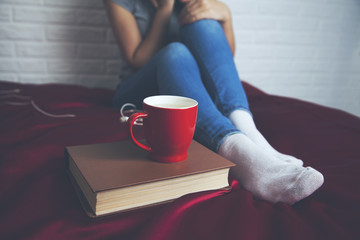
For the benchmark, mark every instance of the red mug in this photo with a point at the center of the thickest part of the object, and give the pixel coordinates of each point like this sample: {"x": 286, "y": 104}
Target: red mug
{"x": 169, "y": 123}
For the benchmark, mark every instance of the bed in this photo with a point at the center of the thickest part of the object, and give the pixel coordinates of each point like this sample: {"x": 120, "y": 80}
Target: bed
{"x": 37, "y": 200}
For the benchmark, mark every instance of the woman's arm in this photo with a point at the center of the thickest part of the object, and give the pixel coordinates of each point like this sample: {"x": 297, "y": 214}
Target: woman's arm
{"x": 138, "y": 51}
{"x": 195, "y": 10}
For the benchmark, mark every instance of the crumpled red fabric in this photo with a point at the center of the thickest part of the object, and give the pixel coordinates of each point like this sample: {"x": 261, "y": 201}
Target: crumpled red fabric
{"x": 37, "y": 200}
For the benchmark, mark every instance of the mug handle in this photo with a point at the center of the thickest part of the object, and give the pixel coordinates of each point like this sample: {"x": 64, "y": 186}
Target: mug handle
{"x": 131, "y": 122}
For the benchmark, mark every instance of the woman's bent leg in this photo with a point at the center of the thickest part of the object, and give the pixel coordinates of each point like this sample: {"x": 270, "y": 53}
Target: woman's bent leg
{"x": 261, "y": 171}
{"x": 207, "y": 42}
{"x": 178, "y": 74}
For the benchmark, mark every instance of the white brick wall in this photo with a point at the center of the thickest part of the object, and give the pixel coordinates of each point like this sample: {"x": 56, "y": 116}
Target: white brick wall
{"x": 68, "y": 41}
{"x": 307, "y": 49}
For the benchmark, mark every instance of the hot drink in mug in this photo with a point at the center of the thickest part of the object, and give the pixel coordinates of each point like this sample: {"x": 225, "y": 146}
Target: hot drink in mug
{"x": 169, "y": 123}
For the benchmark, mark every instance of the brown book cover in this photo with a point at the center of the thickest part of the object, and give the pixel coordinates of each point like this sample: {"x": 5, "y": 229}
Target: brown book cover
{"x": 115, "y": 173}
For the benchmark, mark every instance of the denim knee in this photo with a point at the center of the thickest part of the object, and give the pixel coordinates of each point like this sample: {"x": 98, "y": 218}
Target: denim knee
{"x": 175, "y": 53}
{"x": 176, "y": 69}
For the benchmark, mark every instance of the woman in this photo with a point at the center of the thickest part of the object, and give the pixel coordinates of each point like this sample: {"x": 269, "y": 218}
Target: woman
{"x": 195, "y": 60}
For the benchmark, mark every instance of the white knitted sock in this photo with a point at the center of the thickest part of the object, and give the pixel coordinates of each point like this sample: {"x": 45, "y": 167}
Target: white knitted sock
{"x": 266, "y": 176}
{"x": 243, "y": 121}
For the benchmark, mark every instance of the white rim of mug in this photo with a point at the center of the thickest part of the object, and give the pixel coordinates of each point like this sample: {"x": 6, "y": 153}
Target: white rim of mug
{"x": 190, "y": 103}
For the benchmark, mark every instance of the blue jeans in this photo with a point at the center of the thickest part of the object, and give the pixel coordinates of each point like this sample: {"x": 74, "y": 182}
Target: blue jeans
{"x": 201, "y": 67}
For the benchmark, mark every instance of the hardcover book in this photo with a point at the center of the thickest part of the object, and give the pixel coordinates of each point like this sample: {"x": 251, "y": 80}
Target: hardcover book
{"x": 117, "y": 176}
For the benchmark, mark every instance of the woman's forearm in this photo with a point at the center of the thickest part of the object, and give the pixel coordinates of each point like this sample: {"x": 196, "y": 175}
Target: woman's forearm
{"x": 155, "y": 38}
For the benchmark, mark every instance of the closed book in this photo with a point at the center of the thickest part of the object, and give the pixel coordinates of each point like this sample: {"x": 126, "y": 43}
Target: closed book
{"x": 117, "y": 176}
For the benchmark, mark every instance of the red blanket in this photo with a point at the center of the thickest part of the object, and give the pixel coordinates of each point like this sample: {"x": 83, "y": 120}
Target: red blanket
{"x": 37, "y": 200}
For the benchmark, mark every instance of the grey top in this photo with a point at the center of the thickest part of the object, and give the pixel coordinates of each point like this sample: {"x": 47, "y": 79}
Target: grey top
{"x": 144, "y": 12}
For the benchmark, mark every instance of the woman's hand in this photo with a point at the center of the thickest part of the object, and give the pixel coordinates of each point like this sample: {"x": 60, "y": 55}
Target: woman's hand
{"x": 195, "y": 10}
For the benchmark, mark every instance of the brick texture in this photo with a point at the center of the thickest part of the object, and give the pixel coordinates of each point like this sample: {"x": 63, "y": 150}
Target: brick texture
{"x": 307, "y": 49}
